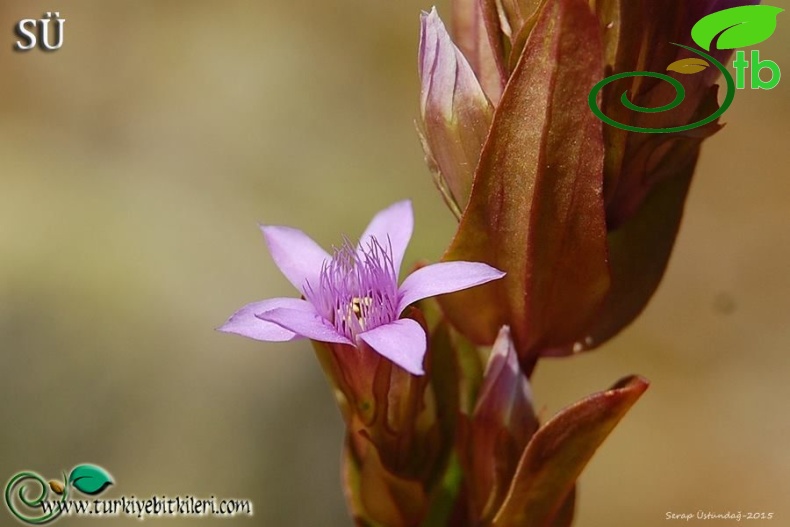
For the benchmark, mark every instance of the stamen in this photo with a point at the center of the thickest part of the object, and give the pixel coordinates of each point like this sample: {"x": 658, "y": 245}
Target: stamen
{"x": 357, "y": 289}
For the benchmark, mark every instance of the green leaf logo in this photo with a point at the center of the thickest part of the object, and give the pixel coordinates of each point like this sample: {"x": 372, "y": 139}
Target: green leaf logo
{"x": 90, "y": 479}
{"x": 739, "y": 27}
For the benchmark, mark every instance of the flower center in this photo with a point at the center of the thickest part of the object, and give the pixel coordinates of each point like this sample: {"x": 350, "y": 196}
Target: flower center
{"x": 357, "y": 289}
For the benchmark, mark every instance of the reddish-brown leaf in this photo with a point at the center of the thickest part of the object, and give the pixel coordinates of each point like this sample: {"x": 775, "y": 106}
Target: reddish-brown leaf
{"x": 559, "y": 451}
{"x": 639, "y": 250}
{"x": 536, "y": 208}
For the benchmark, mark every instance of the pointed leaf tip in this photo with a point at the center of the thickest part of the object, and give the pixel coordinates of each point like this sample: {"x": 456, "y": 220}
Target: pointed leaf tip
{"x": 560, "y": 450}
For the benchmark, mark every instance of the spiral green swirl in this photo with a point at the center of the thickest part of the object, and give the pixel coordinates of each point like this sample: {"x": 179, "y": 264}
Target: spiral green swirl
{"x": 680, "y": 94}
{"x": 34, "y": 503}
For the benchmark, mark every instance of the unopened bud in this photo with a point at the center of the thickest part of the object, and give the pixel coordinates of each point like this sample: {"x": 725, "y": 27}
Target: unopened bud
{"x": 455, "y": 112}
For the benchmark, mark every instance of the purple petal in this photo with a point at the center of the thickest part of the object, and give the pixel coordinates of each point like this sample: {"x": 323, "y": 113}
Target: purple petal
{"x": 472, "y": 36}
{"x": 445, "y": 277}
{"x": 244, "y": 322}
{"x": 297, "y": 256}
{"x": 304, "y": 323}
{"x": 403, "y": 342}
{"x": 395, "y": 223}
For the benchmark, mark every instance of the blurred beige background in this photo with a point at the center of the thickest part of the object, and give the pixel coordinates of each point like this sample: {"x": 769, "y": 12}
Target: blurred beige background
{"x": 138, "y": 160}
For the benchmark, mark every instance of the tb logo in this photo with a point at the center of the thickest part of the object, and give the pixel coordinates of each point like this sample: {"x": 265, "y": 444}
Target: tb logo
{"x": 757, "y": 65}
{"x": 32, "y": 32}
{"x": 731, "y": 28}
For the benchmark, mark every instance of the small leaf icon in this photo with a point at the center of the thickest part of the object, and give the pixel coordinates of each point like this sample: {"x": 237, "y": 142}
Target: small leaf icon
{"x": 688, "y": 66}
{"x": 89, "y": 479}
{"x": 739, "y": 27}
{"x": 56, "y": 486}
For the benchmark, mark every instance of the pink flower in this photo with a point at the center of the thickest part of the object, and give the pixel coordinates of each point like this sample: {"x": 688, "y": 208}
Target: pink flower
{"x": 353, "y": 296}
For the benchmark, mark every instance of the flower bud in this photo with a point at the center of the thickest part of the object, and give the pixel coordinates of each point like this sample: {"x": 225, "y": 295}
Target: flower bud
{"x": 494, "y": 437}
{"x": 455, "y": 113}
{"x": 471, "y": 21}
